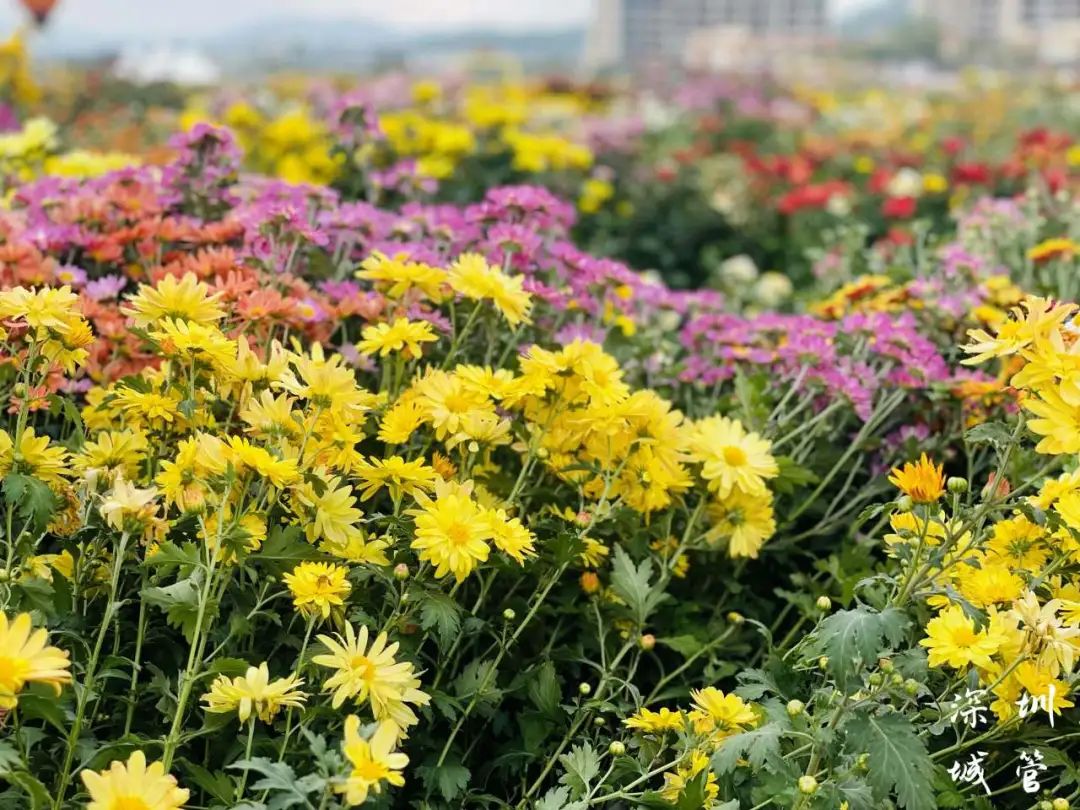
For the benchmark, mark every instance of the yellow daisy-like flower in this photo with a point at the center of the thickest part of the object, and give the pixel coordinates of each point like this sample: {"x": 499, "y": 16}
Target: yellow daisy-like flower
{"x": 952, "y": 640}
{"x": 676, "y": 782}
{"x": 317, "y": 588}
{"x": 371, "y": 673}
{"x": 746, "y": 521}
{"x": 402, "y": 335}
{"x": 732, "y": 458}
{"x": 127, "y": 505}
{"x": 451, "y": 532}
{"x": 922, "y": 481}
{"x": 25, "y": 657}
{"x": 133, "y": 785}
{"x": 472, "y": 277}
{"x": 718, "y": 714}
{"x": 36, "y": 456}
{"x": 399, "y": 476}
{"x": 254, "y": 693}
{"x": 650, "y": 722}
{"x": 510, "y": 536}
{"x": 373, "y": 761}
{"x": 184, "y": 299}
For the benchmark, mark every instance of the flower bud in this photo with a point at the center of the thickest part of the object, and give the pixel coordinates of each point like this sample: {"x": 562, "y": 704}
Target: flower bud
{"x": 509, "y": 614}
{"x": 823, "y": 603}
{"x": 647, "y": 641}
{"x": 795, "y": 708}
{"x": 885, "y": 664}
{"x": 599, "y": 721}
{"x": 863, "y": 762}
{"x": 1046, "y": 804}
{"x": 957, "y": 485}
{"x": 896, "y": 679}
{"x": 876, "y": 679}
{"x": 911, "y": 686}
{"x": 616, "y": 749}
{"x": 584, "y": 689}
{"x": 807, "y": 785}
{"x": 401, "y": 572}
{"x": 736, "y": 618}
{"x": 5, "y": 575}
{"x": 1060, "y": 804}
{"x": 904, "y": 503}
{"x": 542, "y": 452}
{"x": 823, "y": 662}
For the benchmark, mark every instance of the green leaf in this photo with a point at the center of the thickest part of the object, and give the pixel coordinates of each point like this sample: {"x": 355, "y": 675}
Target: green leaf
{"x": 851, "y": 638}
{"x": 218, "y": 785}
{"x": 170, "y": 555}
{"x": 478, "y": 679}
{"x": 544, "y": 689}
{"x": 792, "y": 476}
{"x": 43, "y": 707}
{"x": 37, "y": 792}
{"x": 10, "y": 760}
{"x": 631, "y": 583}
{"x": 281, "y": 780}
{"x": 687, "y": 646}
{"x": 898, "y": 760}
{"x": 855, "y": 792}
{"x": 582, "y": 765}
{"x": 555, "y": 799}
{"x": 441, "y": 613}
{"x": 758, "y": 746}
{"x": 996, "y": 433}
{"x": 452, "y": 779}
{"x": 694, "y": 796}
{"x": 283, "y": 550}
{"x": 32, "y": 499}
{"x": 180, "y": 601}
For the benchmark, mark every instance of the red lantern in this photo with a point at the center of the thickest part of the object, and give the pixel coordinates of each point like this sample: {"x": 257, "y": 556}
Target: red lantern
{"x": 39, "y": 8}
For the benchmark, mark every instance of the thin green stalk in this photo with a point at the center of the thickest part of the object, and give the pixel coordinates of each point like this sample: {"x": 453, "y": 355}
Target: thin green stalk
{"x": 89, "y": 676}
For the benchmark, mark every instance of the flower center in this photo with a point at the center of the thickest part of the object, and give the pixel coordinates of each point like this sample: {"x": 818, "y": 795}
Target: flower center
{"x": 129, "y": 803}
{"x": 458, "y": 533}
{"x": 735, "y": 456}
{"x": 362, "y": 664}
{"x": 370, "y": 771}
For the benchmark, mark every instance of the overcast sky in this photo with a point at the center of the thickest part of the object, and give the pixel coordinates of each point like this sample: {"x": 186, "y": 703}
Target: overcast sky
{"x": 175, "y": 17}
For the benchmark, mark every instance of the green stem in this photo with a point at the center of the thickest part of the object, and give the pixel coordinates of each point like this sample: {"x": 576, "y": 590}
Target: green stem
{"x": 247, "y": 756}
{"x": 90, "y": 674}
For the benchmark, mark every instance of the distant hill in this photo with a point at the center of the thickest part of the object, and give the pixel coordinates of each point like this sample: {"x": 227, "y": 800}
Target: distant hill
{"x": 874, "y": 19}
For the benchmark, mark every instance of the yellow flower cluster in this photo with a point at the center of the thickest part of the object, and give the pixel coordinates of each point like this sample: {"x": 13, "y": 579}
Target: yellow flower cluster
{"x": 1026, "y": 648}
{"x": 713, "y": 717}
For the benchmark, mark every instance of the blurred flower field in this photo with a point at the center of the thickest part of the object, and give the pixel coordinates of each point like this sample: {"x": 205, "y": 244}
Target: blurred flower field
{"x": 444, "y": 443}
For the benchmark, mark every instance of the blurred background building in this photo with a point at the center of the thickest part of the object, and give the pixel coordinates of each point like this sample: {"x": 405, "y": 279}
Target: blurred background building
{"x": 706, "y": 34}
{"x": 1043, "y": 31}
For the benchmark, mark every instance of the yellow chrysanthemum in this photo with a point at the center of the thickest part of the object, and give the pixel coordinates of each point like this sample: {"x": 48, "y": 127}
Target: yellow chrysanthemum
{"x": 372, "y": 761}
{"x": 254, "y": 693}
{"x": 26, "y": 657}
{"x": 952, "y": 640}
{"x": 183, "y": 299}
{"x": 402, "y": 335}
{"x": 371, "y": 673}
{"x": 317, "y": 588}
{"x": 922, "y": 481}
{"x": 133, "y": 785}
{"x": 451, "y": 532}
{"x": 732, "y": 458}
{"x": 746, "y": 521}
